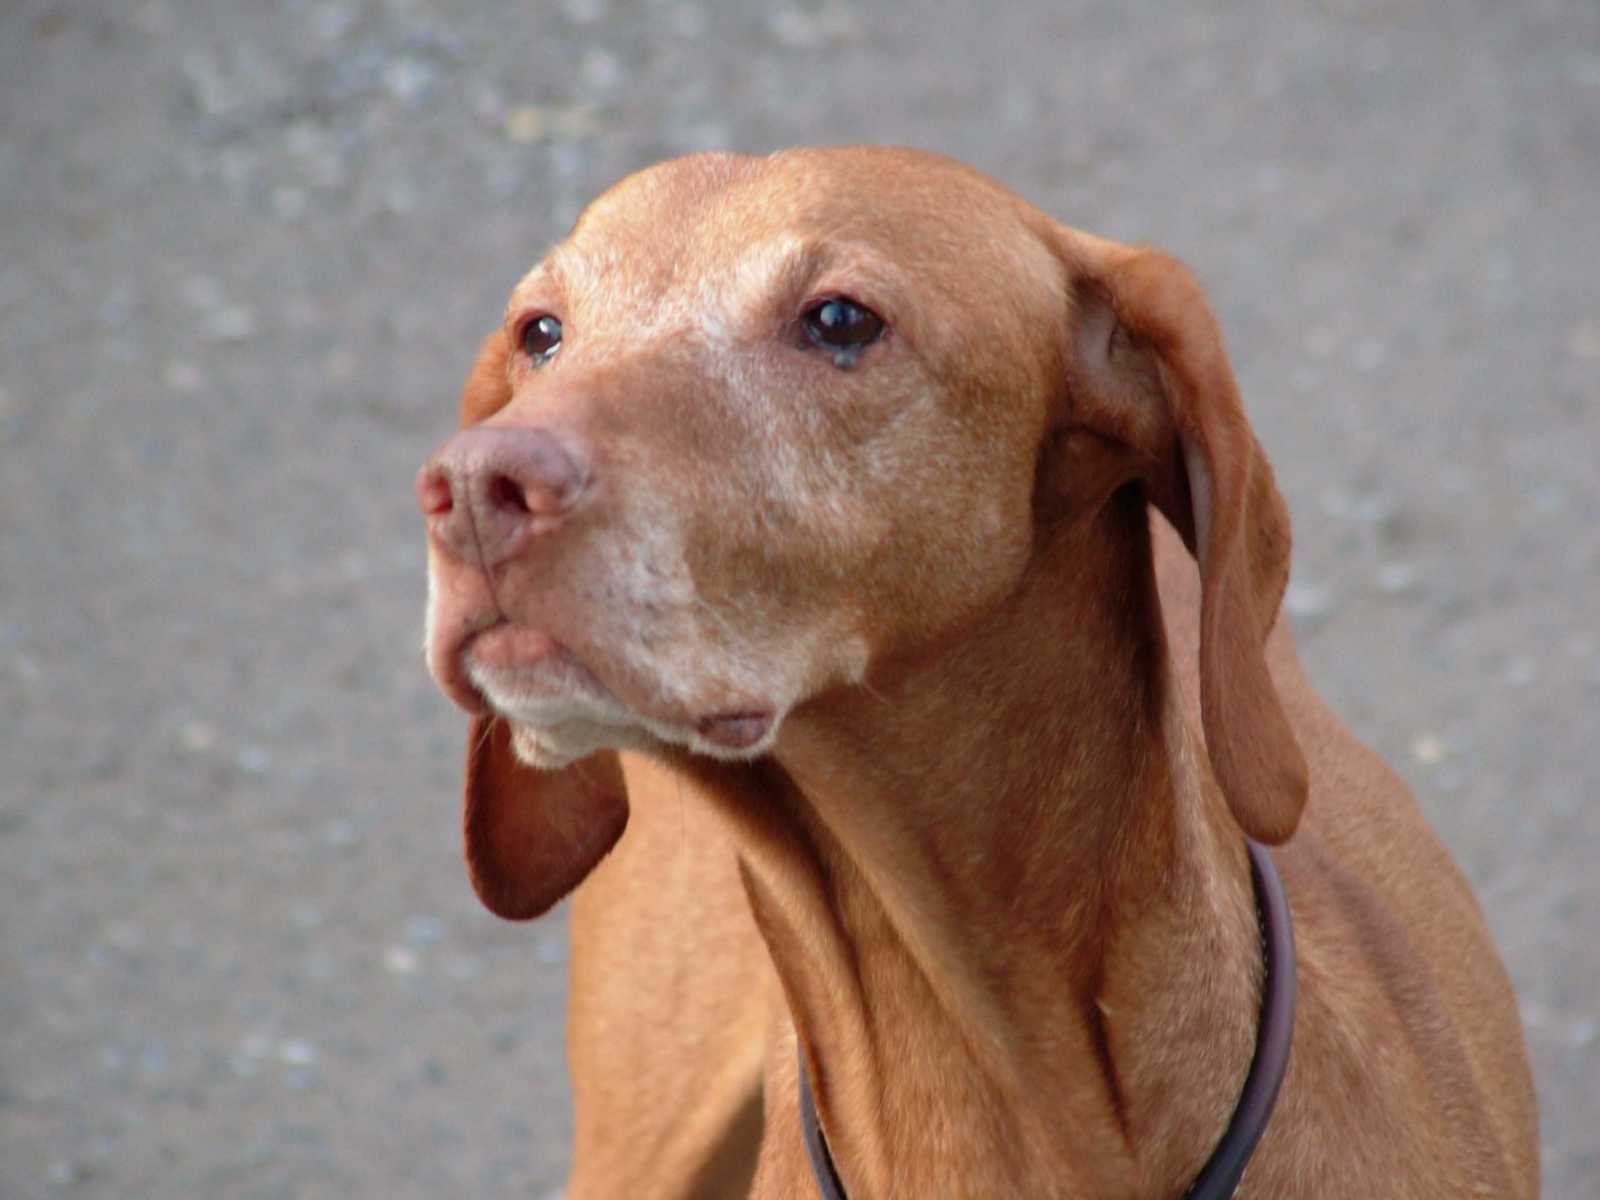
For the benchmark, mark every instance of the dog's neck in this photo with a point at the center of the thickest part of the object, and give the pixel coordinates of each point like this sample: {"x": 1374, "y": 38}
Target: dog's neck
{"x": 963, "y": 874}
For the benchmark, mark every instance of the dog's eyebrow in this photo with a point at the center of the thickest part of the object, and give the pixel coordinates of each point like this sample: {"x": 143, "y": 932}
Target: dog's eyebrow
{"x": 548, "y": 272}
{"x": 784, "y": 268}
{"x": 577, "y": 275}
{"x": 777, "y": 266}
{"x": 567, "y": 276}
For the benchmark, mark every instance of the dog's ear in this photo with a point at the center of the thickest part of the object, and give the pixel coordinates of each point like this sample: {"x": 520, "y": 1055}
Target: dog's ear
{"x": 1149, "y": 372}
{"x": 531, "y": 835}
{"x": 488, "y": 386}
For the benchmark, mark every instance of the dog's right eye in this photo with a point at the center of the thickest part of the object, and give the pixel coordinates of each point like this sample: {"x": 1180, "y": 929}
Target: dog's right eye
{"x": 843, "y": 327}
{"x": 541, "y": 338}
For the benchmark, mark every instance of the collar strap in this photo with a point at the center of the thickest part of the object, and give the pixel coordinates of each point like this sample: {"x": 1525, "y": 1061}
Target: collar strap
{"x": 822, "y": 1168}
{"x": 1223, "y": 1170}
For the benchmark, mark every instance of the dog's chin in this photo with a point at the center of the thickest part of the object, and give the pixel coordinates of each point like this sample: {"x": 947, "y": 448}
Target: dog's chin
{"x": 560, "y": 711}
{"x": 552, "y": 747}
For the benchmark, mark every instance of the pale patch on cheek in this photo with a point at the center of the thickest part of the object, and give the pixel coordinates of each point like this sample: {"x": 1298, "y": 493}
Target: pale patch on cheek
{"x": 648, "y": 567}
{"x": 700, "y": 655}
{"x": 690, "y": 651}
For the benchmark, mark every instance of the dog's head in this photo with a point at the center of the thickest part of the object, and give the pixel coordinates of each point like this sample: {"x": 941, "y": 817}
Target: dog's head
{"x": 759, "y": 424}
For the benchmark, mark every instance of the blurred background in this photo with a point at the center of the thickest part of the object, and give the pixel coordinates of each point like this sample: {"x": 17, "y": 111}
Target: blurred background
{"x": 246, "y": 251}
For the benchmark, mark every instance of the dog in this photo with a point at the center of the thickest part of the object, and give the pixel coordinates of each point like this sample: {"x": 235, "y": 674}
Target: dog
{"x": 899, "y": 567}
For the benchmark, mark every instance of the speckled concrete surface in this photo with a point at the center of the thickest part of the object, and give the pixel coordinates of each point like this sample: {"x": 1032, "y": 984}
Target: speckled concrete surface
{"x": 245, "y": 251}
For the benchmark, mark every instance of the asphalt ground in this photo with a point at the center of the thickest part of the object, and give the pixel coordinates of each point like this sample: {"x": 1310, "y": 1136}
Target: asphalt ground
{"x": 246, "y": 251}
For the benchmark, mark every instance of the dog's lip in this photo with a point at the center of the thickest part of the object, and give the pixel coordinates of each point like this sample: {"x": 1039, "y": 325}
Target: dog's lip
{"x": 448, "y": 665}
{"x": 736, "y": 730}
{"x": 507, "y": 646}
{"x": 495, "y": 646}
{"x": 500, "y": 663}
{"x": 512, "y": 661}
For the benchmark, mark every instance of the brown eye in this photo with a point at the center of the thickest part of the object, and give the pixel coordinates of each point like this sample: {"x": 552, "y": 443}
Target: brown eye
{"x": 842, "y": 326}
{"x": 541, "y": 338}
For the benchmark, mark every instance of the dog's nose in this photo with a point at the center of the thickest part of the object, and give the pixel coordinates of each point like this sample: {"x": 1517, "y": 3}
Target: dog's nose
{"x": 490, "y": 489}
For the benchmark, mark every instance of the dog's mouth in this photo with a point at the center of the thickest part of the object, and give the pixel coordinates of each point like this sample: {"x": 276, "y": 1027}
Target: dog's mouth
{"x": 505, "y": 652}
{"x": 554, "y": 698}
{"x": 526, "y": 675}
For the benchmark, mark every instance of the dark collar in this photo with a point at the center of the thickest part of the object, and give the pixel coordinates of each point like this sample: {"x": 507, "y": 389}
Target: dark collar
{"x": 1222, "y": 1172}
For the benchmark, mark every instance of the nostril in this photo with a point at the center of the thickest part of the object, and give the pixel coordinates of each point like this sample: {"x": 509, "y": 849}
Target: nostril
{"x": 506, "y": 495}
{"x": 433, "y": 493}
{"x": 489, "y": 488}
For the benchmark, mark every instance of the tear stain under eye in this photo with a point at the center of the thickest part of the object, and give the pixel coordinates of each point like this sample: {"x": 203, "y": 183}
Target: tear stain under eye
{"x": 847, "y": 357}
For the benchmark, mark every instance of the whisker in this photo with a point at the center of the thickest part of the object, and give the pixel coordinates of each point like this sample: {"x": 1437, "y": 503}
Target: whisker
{"x": 484, "y": 736}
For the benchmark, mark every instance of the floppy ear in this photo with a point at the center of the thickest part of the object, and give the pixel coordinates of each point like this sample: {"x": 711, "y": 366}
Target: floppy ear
{"x": 531, "y": 835}
{"x": 488, "y": 388}
{"x": 1151, "y": 373}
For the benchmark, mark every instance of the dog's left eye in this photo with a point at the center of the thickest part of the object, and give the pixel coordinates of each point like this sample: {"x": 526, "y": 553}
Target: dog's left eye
{"x": 541, "y": 338}
{"x": 842, "y": 326}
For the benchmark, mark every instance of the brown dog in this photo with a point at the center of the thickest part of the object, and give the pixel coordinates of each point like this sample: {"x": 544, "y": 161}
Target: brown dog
{"x": 821, "y": 486}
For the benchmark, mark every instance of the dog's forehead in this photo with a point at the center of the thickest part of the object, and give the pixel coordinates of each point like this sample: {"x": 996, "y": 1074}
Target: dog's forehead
{"x": 851, "y": 191}
{"x": 751, "y": 222}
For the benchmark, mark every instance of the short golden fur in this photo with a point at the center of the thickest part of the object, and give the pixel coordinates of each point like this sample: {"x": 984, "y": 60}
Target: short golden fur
{"x": 936, "y": 750}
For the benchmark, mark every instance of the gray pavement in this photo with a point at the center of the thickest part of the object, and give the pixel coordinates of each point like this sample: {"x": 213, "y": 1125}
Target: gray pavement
{"x": 245, "y": 252}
